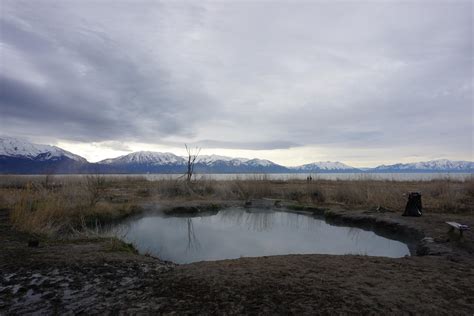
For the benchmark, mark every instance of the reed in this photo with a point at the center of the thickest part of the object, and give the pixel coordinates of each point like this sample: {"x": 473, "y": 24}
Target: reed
{"x": 59, "y": 210}
{"x": 61, "y": 204}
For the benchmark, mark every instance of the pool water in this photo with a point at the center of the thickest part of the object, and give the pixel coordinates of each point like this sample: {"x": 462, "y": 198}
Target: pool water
{"x": 238, "y": 232}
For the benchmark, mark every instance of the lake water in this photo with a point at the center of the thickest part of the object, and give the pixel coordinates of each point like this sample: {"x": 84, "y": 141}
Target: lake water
{"x": 6, "y": 179}
{"x": 323, "y": 176}
{"x": 238, "y": 232}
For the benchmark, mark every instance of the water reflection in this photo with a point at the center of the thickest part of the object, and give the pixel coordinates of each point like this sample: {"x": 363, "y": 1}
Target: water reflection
{"x": 235, "y": 232}
{"x": 193, "y": 242}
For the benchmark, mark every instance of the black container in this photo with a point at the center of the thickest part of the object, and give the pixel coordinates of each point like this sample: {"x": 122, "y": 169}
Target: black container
{"x": 414, "y": 207}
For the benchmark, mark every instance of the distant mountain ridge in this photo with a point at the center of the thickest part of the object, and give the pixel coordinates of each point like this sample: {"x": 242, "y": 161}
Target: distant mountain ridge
{"x": 440, "y": 165}
{"x": 145, "y": 161}
{"x": 13, "y": 147}
{"x": 145, "y": 158}
{"x": 325, "y": 166}
{"x": 21, "y": 157}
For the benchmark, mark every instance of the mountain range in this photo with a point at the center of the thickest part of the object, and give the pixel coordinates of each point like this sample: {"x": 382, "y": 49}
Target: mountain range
{"x": 21, "y": 157}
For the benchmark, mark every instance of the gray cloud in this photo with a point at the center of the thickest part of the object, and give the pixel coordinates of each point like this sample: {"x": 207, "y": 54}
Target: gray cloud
{"x": 244, "y": 145}
{"x": 94, "y": 88}
{"x": 249, "y": 75}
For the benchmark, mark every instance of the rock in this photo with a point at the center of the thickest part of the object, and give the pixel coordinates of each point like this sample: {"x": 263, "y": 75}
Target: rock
{"x": 428, "y": 247}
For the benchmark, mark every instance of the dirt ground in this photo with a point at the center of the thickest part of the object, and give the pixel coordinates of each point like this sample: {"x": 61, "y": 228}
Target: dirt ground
{"x": 88, "y": 277}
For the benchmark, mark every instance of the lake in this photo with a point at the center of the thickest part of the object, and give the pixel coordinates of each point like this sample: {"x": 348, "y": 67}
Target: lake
{"x": 323, "y": 176}
{"x": 269, "y": 176}
{"x": 238, "y": 232}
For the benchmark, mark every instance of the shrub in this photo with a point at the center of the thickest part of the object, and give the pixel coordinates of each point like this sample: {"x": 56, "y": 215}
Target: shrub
{"x": 95, "y": 185}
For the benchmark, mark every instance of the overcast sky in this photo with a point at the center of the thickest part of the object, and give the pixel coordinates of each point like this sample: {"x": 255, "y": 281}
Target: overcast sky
{"x": 360, "y": 82}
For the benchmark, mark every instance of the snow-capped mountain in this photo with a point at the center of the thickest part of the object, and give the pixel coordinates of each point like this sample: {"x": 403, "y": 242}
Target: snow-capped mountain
{"x": 146, "y": 158}
{"x": 146, "y": 161}
{"x": 260, "y": 162}
{"x": 222, "y": 164}
{"x": 209, "y": 159}
{"x": 440, "y": 165}
{"x": 22, "y": 157}
{"x": 16, "y": 148}
{"x": 214, "y": 159}
{"x": 325, "y": 166}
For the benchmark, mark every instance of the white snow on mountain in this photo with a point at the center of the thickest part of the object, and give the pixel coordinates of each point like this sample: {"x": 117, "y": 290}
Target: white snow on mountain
{"x": 213, "y": 159}
{"x": 17, "y": 148}
{"x": 440, "y": 164}
{"x": 259, "y": 162}
{"x": 146, "y": 157}
{"x": 209, "y": 159}
{"x": 157, "y": 158}
{"x": 323, "y": 165}
{"x": 238, "y": 161}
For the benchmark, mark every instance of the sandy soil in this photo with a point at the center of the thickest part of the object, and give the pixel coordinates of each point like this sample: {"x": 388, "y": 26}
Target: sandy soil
{"x": 86, "y": 277}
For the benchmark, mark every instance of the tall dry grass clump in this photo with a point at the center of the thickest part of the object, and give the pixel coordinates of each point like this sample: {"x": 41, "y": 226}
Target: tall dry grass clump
{"x": 43, "y": 211}
{"x": 470, "y": 187}
{"x": 444, "y": 195}
{"x": 177, "y": 188}
{"x": 49, "y": 211}
{"x": 255, "y": 188}
{"x": 205, "y": 188}
{"x": 451, "y": 196}
{"x": 369, "y": 193}
{"x": 348, "y": 193}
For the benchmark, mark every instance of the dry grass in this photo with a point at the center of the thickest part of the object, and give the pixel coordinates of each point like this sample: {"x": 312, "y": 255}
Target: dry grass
{"x": 61, "y": 208}
{"x": 55, "y": 205}
{"x": 438, "y": 195}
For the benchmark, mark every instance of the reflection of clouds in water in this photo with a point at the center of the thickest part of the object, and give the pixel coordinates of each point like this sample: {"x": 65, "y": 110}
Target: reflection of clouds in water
{"x": 125, "y": 231}
{"x": 299, "y": 221}
{"x": 236, "y": 232}
{"x": 141, "y": 232}
{"x": 186, "y": 225}
{"x": 257, "y": 221}
{"x": 230, "y": 216}
{"x": 264, "y": 220}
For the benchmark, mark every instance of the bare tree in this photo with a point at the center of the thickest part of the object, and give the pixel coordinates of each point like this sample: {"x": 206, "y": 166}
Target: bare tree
{"x": 192, "y": 156}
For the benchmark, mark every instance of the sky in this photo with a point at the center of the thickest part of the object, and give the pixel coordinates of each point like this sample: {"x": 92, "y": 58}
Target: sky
{"x": 362, "y": 82}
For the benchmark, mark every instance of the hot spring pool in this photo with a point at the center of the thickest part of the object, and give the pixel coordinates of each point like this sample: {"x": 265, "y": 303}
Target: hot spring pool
{"x": 238, "y": 232}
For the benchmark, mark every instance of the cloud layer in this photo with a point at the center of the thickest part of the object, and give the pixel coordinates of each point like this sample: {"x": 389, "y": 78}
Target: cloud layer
{"x": 241, "y": 75}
